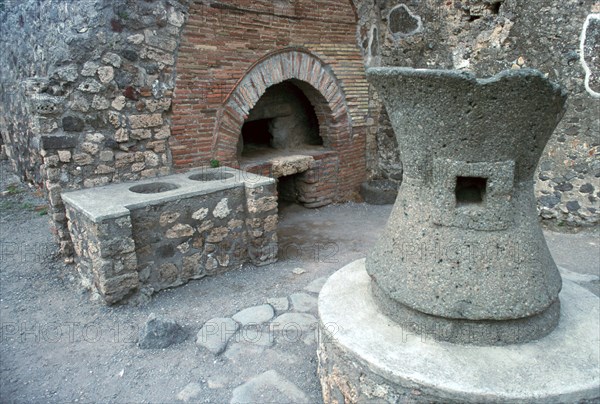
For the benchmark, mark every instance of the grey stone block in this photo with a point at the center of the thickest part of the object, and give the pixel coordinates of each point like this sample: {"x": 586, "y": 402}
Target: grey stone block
{"x": 216, "y": 333}
{"x": 160, "y": 333}
{"x": 255, "y": 315}
{"x": 54, "y": 142}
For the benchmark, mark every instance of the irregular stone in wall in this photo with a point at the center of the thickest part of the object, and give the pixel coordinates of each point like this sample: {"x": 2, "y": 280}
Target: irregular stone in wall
{"x": 104, "y": 169}
{"x": 217, "y": 234}
{"x": 90, "y": 148}
{"x": 145, "y": 121}
{"x": 94, "y": 137}
{"x": 263, "y": 204}
{"x": 271, "y": 223}
{"x": 211, "y": 264}
{"x": 100, "y": 103}
{"x": 119, "y": 103}
{"x": 235, "y": 224}
{"x": 90, "y": 69}
{"x": 155, "y": 105}
{"x": 106, "y": 74}
{"x": 163, "y": 133}
{"x": 151, "y": 158}
{"x": 165, "y": 58}
{"x": 113, "y": 59}
{"x": 221, "y": 211}
{"x": 66, "y": 73}
{"x": 586, "y": 188}
{"x": 176, "y": 18}
{"x": 184, "y": 247}
{"x": 107, "y": 155}
{"x": 137, "y": 167}
{"x": 141, "y": 134}
{"x": 82, "y": 159}
{"x": 168, "y": 217}
{"x": 200, "y": 214}
{"x": 79, "y": 102}
{"x": 159, "y": 41}
{"x": 72, "y": 124}
{"x": 122, "y": 135}
{"x": 136, "y": 39}
{"x": 168, "y": 273}
{"x": 180, "y": 230}
{"x": 64, "y": 156}
{"x": 192, "y": 267}
{"x": 117, "y": 288}
{"x": 95, "y": 182}
{"x": 206, "y": 225}
{"x": 51, "y": 161}
{"x": 90, "y": 86}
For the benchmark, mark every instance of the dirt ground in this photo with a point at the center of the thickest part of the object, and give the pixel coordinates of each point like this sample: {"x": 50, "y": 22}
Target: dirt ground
{"x": 58, "y": 343}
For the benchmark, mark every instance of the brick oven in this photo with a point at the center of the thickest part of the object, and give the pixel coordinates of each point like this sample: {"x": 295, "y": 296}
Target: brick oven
{"x": 275, "y": 88}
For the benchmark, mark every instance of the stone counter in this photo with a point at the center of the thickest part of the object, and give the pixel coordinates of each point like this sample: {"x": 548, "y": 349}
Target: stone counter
{"x": 151, "y": 235}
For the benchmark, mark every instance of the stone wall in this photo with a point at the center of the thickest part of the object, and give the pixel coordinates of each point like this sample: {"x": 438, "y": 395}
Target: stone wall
{"x": 86, "y": 92}
{"x": 487, "y": 36}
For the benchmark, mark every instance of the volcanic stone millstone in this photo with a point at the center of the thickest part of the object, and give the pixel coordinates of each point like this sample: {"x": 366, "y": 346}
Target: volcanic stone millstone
{"x": 463, "y": 242}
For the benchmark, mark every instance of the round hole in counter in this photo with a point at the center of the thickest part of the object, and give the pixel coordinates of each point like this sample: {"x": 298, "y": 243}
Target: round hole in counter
{"x": 211, "y": 176}
{"x": 153, "y": 188}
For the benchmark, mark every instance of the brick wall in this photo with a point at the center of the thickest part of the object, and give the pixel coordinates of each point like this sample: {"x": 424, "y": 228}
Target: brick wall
{"x": 231, "y": 51}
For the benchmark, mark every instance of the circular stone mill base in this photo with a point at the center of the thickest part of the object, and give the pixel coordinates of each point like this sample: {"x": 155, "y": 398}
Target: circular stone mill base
{"x": 366, "y": 357}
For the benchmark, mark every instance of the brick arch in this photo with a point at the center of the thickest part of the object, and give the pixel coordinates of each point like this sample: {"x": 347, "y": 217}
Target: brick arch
{"x": 307, "y": 72}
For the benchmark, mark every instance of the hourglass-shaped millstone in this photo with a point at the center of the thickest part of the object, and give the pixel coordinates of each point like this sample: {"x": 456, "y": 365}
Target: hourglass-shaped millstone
{"x": 463, "y": 258}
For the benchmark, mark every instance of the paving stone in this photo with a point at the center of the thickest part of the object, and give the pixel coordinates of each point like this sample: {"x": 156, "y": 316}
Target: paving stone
{"x": 255, "y": 336}
{"x": 218, "y": 381}
{"x": 268, "y": 387}
{"x": 301, "y": 321}
{"x": 279, "y": 303}
{"x": 216, "y": 333}
{"x": 158, "y": 333}
{"x": 316, "y": 285}
{"x": 244, "y": 353}
{"x": 190, "y": 392}
{"x": 303, "y": 302}
{"x": 255, "y": 315}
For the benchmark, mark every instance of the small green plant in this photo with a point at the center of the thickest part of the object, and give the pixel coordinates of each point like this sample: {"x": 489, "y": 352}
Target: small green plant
{"x": 13, "y": 189}
{"x": 124, "y": 15}
{"x": 215, "y": 163}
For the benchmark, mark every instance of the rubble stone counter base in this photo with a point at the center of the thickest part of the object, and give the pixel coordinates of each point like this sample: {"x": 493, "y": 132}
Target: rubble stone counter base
{"x": 365, "y": 356}
{"x": 156, "y": 234}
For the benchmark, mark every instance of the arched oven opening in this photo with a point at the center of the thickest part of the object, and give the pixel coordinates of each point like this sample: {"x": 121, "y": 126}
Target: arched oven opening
{"x": 283, "y": 122}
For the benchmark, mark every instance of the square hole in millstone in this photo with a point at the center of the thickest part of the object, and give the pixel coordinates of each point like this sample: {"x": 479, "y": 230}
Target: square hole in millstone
{"x": 470, "y": 190}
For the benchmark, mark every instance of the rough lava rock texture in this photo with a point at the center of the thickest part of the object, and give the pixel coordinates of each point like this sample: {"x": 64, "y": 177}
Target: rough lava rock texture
{"x": 463, "y": 241}
{"x": 160, "y": 333}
